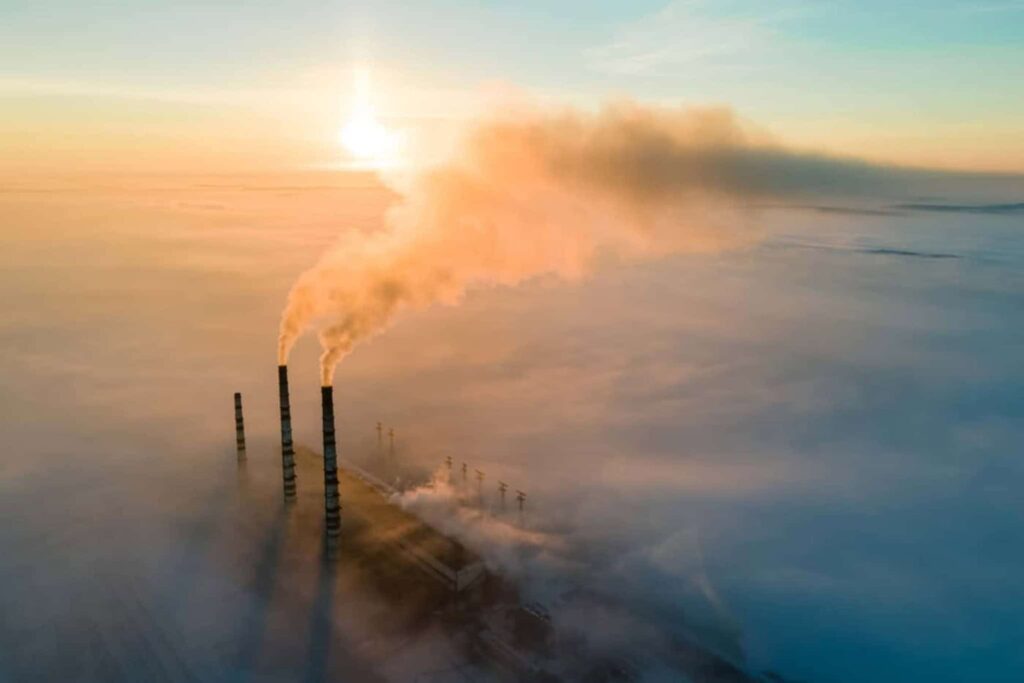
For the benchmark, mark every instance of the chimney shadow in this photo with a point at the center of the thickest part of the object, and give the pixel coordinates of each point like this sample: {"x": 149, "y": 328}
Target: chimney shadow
{"x": 201, "y": 532}
{"x": 321, "y": 626}
{"x": 264, "y": 583}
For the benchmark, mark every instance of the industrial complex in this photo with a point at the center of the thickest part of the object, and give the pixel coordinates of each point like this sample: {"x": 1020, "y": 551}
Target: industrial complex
{"x": 437, "y": 582}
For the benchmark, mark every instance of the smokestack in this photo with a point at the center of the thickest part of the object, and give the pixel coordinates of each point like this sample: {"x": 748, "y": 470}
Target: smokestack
{"x": 287, "y": 450}
{"x": 239, "y": 426}
{"x": 331, "y": 503}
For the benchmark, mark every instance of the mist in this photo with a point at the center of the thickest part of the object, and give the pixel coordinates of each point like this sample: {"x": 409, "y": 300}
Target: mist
{"x": 802, "y": 449}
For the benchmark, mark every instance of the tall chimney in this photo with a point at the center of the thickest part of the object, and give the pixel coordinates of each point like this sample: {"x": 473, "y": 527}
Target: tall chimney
{"x": 239, "y": 426}
{"x": 331, "y": 504}
{"x": 287, "y": 450}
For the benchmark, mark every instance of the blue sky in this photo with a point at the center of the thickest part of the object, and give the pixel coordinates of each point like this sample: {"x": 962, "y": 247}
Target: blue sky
{"x": 935, "y": 83}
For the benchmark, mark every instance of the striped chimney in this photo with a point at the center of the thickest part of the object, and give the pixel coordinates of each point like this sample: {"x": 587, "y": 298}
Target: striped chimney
{"x": 239, "y": 426}
{"x": 332, "y": 505}
{"x": 287, "y": 450}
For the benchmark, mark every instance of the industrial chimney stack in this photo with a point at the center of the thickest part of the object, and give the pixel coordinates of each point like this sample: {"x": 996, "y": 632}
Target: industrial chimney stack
{"x": 331, "y": 502}
{"x": 239, "y": 427}
{"x": 287, "y": 450}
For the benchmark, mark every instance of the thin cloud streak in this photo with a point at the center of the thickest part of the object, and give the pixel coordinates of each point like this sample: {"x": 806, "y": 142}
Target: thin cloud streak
{"x": 684, "y": 33}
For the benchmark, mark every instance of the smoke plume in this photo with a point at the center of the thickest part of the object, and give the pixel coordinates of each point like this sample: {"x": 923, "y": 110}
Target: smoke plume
{"x": 546, "y": 193}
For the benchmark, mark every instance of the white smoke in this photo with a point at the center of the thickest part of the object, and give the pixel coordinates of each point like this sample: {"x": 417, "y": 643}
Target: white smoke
{"x": 547, "y": 194}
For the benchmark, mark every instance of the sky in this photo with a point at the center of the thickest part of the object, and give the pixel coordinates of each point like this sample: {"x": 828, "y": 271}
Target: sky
{"x": 266, "y": 85}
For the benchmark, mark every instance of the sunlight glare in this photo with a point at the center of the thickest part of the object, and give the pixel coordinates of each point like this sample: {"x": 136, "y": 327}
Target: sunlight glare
{"x": 363, "y": 136}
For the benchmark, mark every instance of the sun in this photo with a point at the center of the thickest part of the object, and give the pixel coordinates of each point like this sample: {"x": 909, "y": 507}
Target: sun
{"x": 369, "y": 142}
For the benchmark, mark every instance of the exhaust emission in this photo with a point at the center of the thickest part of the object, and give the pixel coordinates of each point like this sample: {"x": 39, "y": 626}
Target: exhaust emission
{"x": 537, "y": 192}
